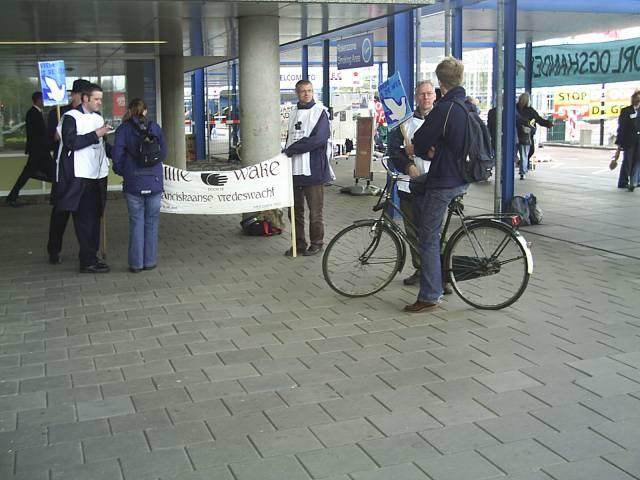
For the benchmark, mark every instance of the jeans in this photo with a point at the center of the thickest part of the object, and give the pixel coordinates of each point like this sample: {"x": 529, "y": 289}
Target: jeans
{"x": 434, "y": 207}
{"x": 523, "y": 150}
{"x": 144, "y": 216}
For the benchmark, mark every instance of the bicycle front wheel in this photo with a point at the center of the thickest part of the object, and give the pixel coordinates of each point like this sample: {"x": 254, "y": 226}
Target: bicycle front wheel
{"x": 488, "y": 264}
{"x": 362, "y": 259}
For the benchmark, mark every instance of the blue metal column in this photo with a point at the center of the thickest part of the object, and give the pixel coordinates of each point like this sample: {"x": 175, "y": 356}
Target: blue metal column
{"x": 198, "y": 116}
{"x": 400, "y": 47}
{"x": 456, "y": 33}
{"x": 528, "y": 66}
{"x": 305, "y": 62}
{"x": 380, "y": 79}
{"x": 234, "y": 104}
{"x": 509, "y": 112}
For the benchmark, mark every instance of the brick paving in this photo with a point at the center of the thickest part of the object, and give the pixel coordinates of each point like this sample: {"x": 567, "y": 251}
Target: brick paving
{"x": 232, "y": 362}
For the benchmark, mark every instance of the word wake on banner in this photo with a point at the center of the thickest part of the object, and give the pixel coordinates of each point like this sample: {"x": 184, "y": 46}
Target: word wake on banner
{"x": 264, "y": 186}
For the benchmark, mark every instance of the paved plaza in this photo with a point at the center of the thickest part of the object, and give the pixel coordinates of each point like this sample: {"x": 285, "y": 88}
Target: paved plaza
{"x": 231, "y": 362}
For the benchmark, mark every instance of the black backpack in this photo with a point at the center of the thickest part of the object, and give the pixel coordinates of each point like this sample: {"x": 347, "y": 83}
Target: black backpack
{"x": 149, "y": 150}
{"x": 478, "y": 159}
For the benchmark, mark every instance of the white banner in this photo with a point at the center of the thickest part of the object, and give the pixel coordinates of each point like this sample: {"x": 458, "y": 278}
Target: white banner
{"x": 263, "y": 186}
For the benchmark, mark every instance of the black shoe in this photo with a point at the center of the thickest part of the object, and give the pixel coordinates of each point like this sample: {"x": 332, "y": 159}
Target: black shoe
{"x": 631, "y": 188}
{"x": 135, "y": 270}
{"x": 413, "y": 279}
{"x": 55, "y": 259}
{"x": 97, "y": 268}
{"x": 522, "y": 177}
{"x": 150, "y": 267}
{"x": 312, "y": 250}
{"x": 299, "y": 251}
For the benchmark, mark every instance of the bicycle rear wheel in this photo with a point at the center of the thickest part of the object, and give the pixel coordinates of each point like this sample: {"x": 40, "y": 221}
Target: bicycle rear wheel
{"x": 362, "y": 259}
{"x": 488, "y": 265}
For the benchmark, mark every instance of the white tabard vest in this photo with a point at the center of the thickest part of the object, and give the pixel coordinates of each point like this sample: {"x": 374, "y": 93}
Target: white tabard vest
{"x": 91, "y": 161}
{"x": 308, "y": 118}
{"x": 423, "y": 165}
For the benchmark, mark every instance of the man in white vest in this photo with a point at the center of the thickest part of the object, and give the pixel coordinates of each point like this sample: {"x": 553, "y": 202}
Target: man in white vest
{"x": 82, "y": 174}
{"x": 309, "y": 147}
{"x": 402, "y": 156}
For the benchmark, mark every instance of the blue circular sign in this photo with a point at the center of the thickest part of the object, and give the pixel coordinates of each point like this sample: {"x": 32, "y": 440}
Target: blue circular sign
{"x": 367, "y": 50}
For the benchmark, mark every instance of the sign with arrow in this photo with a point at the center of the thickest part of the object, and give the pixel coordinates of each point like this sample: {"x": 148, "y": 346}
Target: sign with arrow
{"x": 53, "y": 83}
{"x": 394, "y": 101}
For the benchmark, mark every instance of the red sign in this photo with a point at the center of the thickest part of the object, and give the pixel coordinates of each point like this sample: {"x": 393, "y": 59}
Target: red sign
{"x": 119, "y": 104}
{"x": 379, "y": 113}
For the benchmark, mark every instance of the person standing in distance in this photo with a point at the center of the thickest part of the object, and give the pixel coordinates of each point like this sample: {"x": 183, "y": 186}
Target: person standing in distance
{"x": 82, "y": 174}
{"x": 310, "y": 150}
{"x": 59, "y": 218}
{"x": 142, "y": 187}
{"x": 628, "y": 141}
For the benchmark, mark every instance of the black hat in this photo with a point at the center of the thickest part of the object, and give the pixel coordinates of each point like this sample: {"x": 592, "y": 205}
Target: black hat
{"x": 79, "y": 85}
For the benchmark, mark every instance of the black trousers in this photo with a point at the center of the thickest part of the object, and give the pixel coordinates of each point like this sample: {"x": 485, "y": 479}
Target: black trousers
{"x": 39, "y": 166}
{"x": 86, "y": 221}
{"x": 57, "y": 225}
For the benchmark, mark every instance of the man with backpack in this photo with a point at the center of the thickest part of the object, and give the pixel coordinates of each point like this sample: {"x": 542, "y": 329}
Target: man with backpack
{"x": 444, "y": 131}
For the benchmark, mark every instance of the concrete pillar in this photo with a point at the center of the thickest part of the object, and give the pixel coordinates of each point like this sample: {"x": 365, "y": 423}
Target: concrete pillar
{"x": 259, "y": 88}
{"x": 172, "y": 85}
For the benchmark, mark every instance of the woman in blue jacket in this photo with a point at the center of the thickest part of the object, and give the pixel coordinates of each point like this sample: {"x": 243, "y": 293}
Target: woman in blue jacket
{"x": 142, "y": 186}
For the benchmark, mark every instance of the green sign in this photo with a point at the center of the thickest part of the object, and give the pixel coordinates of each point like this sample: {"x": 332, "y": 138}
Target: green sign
{"x": 582, "y": 64}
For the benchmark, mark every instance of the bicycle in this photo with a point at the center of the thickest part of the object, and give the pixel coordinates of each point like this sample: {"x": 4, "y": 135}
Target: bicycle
{"x": 486, "y": 260}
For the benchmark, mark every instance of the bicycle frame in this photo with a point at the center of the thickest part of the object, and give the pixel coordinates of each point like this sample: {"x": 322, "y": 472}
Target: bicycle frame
{"x": 456, "y": 208}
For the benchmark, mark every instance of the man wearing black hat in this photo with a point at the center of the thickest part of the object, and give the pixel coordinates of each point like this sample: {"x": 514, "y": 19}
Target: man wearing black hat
{"x": 60, "y": 218}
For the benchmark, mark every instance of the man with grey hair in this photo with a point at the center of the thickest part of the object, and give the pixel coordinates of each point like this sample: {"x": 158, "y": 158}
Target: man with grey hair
{"x": 443, "y": 132}
{"x": 401, "y": 154}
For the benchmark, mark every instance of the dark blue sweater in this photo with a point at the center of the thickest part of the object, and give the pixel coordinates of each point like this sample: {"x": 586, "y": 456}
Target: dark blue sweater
{"x": 136, "y": 179}
{"x": 444, "y": 171}
{"x": 316, "y": 145}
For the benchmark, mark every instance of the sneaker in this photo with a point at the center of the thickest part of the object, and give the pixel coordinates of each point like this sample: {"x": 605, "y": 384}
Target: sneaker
{"x": 446, "y": 288}
{"x": 312, "y": 250}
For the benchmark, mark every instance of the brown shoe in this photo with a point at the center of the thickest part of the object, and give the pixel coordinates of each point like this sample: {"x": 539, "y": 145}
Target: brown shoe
{"x": 419, "y": 306}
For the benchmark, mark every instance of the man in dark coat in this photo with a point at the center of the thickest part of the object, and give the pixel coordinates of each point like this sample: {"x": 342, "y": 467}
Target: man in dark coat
{"x": 39, "y": 164}
{"x": 443, "y": 132}
{"x": 308, "y": 145}
{"x": 628, "y": 141}
{"x": 82, "y": 175}
{"x": 59, "y": 218}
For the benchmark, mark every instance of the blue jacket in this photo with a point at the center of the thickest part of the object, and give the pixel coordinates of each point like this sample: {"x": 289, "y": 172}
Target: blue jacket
{"x": 137, "y": 180}
{"x": 444, "y": 171}
{"x": 316, "y": 145}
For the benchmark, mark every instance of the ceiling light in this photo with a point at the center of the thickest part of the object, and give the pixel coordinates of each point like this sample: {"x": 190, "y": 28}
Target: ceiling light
{"x": 86, "y": 42}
